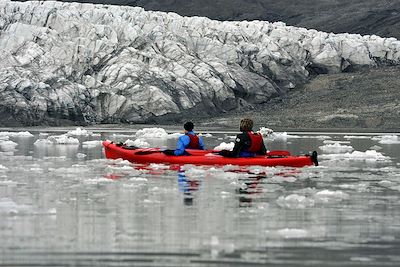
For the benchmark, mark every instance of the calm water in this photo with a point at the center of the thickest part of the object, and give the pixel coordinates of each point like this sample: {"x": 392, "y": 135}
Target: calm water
{"x": 66, "y": 205}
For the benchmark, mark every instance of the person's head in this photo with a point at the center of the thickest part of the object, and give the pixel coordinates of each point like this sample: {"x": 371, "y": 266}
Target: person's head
{"x": 188, "y": 126}
{"x": 246, "y": 125}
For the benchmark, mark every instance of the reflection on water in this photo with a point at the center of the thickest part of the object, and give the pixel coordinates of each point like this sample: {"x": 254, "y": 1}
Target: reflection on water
{"x": 66, "y": 205}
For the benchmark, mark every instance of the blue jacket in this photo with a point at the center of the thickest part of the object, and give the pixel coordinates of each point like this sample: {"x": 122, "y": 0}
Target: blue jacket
{"x": 183, "y": 143}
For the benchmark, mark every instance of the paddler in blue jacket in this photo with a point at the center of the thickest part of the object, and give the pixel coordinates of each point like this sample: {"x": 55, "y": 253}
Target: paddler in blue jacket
{"x": 247, "y": 143}
{"x": 188, "y": 140}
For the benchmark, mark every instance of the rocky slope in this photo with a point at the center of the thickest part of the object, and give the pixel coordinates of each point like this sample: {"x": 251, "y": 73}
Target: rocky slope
{"x": 82, "y": 63}
{"x": 368, "y": 99}
{"x": 339, "y": 16}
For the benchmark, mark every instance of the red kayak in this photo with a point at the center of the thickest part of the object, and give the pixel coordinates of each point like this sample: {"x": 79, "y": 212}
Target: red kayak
{"x": 205, "y": 157}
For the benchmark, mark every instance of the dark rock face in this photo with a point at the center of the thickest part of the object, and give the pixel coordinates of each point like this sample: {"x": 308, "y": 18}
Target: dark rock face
{"x": 339, "y": 16}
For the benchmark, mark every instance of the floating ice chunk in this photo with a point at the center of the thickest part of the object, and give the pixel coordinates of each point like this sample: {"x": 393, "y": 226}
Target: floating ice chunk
{"x": 8, "y": 145}
{"x": 293, "y": 233}
{"x": 361, "y": 259}
{"x": 335, "y": 142}
{"x": 357, "y": 137}
{"x": 81, "y": 155}
{"x": 138, "y": 179}
{"x": 295, "y": 201}
{"x": 385, "y": 183}
{"x": 15, "y": 134}
{"x": 63, "y": 140}
{"x": 362, "y": 187}
{"x": 8, "y": 206}
{"x": 357, "y": 155}
{"x": 43, "y": 134}
{"x": 4, "y": 135}
{"x": 281, "y": 179}
{"x": 323, "y": 137}
{"x": 195, "y": 172}
{"x": 265, "y": 131}
{"x": 326, "y": 196}
{"x": 92, "y": 143}
{"x": 387, "y": 139}
{"x": 123, "y": 168}
{"x": 205, "y": 134}
{"x": 43, "y": 142}
{"x": 375, "y": 147}
{"x": 36, "y": 169}
{"x": 156, "y": 166}
{"x": 175, "y": 135}
{"x": 336, "y": 148}
{"x": 8, "y": 182}
{"x": 137, "y": 143}
{"x": 151, "y": 133}
{"x": 52, "y": 211}
{"x": 225, "y": 146}
{"x": 79, "y": 132}
{"x": 98, "y": 180}
{"x": 122, "y": 135}
{"x": 282, "y": 136}
{"x": 3, "y": 168}
{"x": 22, "y": 134}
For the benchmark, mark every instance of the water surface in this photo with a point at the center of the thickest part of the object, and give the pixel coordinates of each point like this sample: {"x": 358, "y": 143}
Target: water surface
{"x": 66, "y": 205}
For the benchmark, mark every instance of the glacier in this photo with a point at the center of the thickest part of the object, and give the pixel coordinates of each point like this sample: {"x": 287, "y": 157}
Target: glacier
{"x": 73, "y": 63}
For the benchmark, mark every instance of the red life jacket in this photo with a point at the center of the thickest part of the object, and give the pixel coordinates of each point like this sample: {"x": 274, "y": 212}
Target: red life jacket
{"x": 256, "y": 142}
{"x": 194, "y": 141}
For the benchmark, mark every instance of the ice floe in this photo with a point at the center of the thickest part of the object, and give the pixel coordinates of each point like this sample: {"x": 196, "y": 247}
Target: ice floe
{"x": 326, "y": 196}
{"x": 295, "y": 201}
{"x": 16, "y": 134}
{"x": 90, "y": 144}
{"x": 98, "y": 180}
{"x": 151, "y": 133}
{"x": 7, "y": 145}
{"x": 265, "y": 131}
{"x": 137, "y": 143}
{"x": 370, "y": 155}
{"x": 60, "y": 140}
{"x": 8, "y": 206}
{"x": 225, "y": 146}
{"x": 81, "y": 155}
{"x": 336, "y": 148}
{"x": 293, "y": 233}
{"x": 356, "y": 137}
{"x": 3, "y": 168}
{"x": 282, "y": 136}
{"x": 387, "y": 139}
{"x": 79, "y": 132}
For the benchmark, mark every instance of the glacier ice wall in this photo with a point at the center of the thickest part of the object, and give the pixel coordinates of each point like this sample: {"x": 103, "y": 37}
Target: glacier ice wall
{"x": 85, "y": 63}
